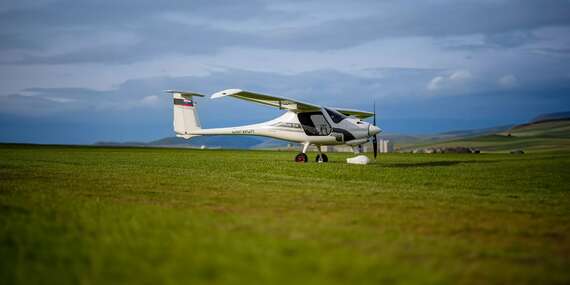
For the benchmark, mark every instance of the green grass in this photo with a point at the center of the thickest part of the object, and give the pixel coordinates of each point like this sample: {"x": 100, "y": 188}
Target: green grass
{"x": 174, "y": 216}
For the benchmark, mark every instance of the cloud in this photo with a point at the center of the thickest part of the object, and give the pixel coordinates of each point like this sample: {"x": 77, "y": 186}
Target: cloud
{"x": 454, "y": 80}
{"x": 510, "y": 39}
{"x": 326, "y": 87}
{"x": 209, "y": 27}
{"x": 39, "y": 30}
{"x": 60, "y": 100}
{"x": 561, "y": 52}
{"x": 436, "y": 83}
{"x": 508, "y": 81}
{"x": 432, "y": 19}
{"x": 151, "y": 100}
{"x": 460, "y": 75}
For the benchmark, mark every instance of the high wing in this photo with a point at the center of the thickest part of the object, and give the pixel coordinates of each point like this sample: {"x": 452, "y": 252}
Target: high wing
{"x": 279, "y": 102}
{"x": 285, "y": 103}
{"x": 357, "y": 113}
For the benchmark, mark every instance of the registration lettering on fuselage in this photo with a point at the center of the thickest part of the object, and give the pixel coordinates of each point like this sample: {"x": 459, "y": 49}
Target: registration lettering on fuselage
{"x": 243, "y": 132}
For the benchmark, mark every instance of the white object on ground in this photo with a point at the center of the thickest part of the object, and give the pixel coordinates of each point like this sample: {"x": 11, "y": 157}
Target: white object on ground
{"x": 360, "y": 159}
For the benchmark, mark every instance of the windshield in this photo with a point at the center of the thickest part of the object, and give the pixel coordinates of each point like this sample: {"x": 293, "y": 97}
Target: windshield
{"x": 335, "y": 116}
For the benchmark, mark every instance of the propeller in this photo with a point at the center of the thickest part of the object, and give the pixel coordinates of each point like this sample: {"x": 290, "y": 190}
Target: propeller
{"x": 375, "y": 138}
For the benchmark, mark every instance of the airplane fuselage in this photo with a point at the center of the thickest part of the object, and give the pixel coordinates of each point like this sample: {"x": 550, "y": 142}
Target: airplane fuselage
{"x": 318, "y": 128}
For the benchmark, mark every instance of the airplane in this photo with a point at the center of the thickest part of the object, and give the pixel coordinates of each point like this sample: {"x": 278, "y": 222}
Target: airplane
{"x": 302, "y": 122}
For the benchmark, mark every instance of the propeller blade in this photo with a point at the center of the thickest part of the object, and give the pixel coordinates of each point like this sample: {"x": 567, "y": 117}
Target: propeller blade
{"x": 374, "y": 104}
{"x": 375, "y": 145}
{"x": 375, "y": 138}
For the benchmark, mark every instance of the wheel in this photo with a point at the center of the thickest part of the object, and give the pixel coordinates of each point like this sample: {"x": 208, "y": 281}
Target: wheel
{"x": 301, "y": 157}
{"x": 324, "y": 158}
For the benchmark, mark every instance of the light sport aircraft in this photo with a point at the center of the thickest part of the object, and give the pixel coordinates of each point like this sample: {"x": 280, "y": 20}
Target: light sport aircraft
{"x": 302, "y": 122}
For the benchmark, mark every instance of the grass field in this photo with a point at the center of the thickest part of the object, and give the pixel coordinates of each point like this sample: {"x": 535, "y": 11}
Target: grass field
{"x": 175, "y": 216}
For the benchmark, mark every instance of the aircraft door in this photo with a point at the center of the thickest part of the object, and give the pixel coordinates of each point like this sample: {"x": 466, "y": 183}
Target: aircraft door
{"x": 314, "y": 124}
{"x": 321, "y": 124}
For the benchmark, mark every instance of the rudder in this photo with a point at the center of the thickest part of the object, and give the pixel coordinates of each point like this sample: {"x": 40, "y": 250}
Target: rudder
{"x": 186, "y": 121}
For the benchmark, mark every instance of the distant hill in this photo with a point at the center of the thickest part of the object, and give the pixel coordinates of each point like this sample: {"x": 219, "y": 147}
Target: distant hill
{"x": 106, "y": 143}
{"x": 551, "y": 117}
{"x": 409, "y": 141}
{"x": 227, "y": 142}
{"x": 543, "y": 129}
{"x": 210, "y": 141}
{"x": 476, "y": 132}
{"x": 549, "y": 132}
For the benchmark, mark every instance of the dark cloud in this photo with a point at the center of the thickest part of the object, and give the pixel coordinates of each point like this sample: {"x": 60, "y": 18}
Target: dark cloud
{"x": 511, "y": 39}
{"x": 325, "y": 87}
{"x": 36, "y": 29}
{"x": 562, "y": 52}
{"x": 504, "y": 24}
{"x": 121, "y": 14}
{"x": 158, "y": 39}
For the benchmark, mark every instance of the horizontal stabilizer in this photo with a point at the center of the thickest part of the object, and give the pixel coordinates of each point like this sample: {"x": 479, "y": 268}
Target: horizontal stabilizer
{"x": 184, "y": 93}
{"x": 187, "y": 136}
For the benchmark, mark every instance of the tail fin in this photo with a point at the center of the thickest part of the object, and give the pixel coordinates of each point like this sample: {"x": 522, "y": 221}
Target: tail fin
{"x": 185, "y": 114}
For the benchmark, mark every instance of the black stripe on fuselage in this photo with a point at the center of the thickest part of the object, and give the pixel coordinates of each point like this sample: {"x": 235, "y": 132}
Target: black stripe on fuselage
{"x": 347, "y": 135}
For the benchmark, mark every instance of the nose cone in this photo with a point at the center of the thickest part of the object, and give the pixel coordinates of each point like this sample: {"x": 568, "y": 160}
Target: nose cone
{"x": 373, "y": 130}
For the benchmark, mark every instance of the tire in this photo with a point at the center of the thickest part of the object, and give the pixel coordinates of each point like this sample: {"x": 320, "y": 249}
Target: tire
{"x": 301, "y": 157}
{"x": 325, "y": 158}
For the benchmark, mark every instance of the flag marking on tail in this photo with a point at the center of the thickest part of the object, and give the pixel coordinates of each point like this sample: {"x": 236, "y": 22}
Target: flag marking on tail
{"x": 183, "y": 102}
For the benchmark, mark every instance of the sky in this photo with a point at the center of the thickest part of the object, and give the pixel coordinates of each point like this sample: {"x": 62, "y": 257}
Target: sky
{"x": 78, "y": 72}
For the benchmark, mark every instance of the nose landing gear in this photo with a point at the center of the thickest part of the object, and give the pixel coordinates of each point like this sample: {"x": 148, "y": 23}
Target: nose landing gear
{"x": 322, "y": 158}
{"x": 302, "y": 157}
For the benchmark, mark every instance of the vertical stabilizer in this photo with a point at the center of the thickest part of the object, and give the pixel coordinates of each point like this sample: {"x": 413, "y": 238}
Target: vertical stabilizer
{"x": 186, "y": 121}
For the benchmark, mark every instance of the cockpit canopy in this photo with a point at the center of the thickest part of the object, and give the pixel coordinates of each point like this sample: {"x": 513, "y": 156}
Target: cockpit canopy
{"x": 336, "y": 117}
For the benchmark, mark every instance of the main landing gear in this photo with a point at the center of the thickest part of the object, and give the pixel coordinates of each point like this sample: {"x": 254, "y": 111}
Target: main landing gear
{"x": 322, "y": 158}
{"x": 302, "y": 157}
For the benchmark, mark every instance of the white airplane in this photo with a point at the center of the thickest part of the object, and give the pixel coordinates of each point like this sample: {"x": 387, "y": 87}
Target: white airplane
{"x": 302, "y": 122}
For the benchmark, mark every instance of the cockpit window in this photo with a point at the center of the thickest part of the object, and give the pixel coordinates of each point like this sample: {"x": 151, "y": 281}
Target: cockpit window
{"x": 335, "y": 116}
